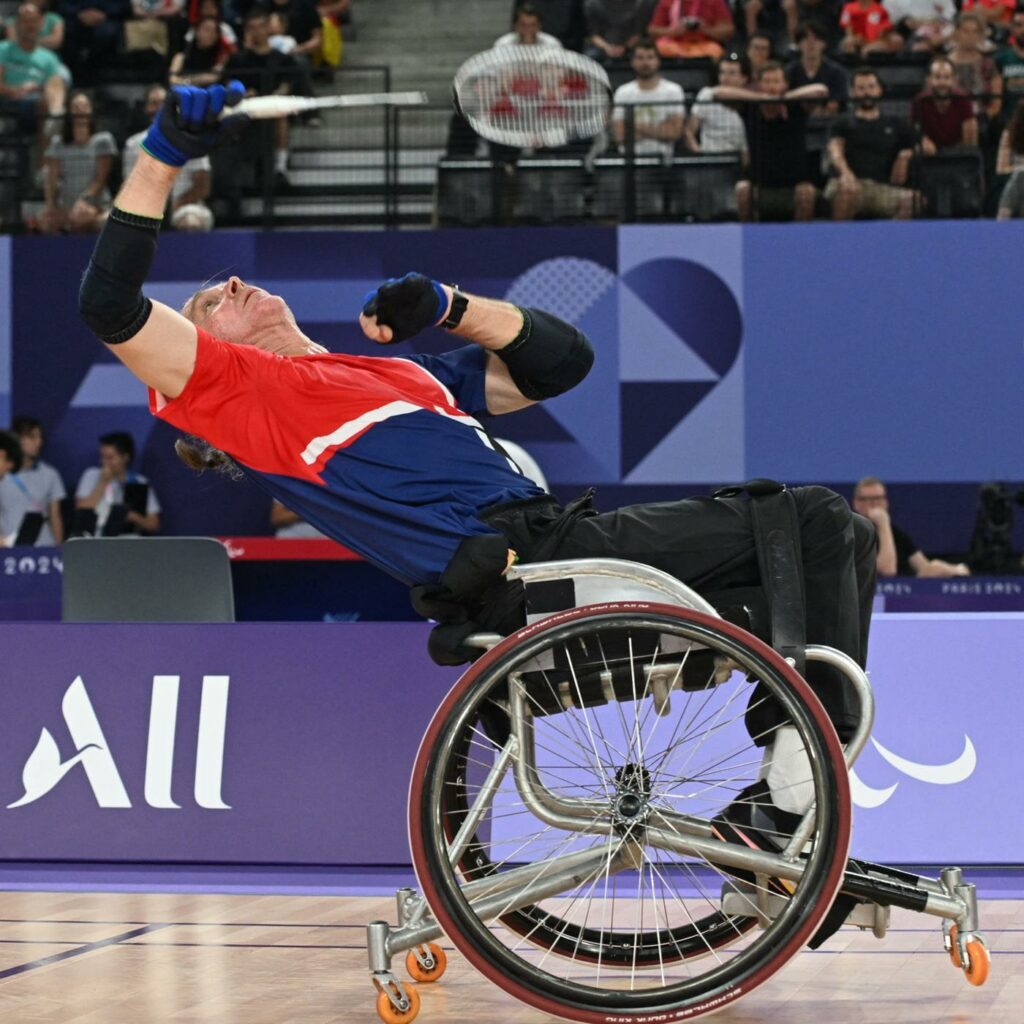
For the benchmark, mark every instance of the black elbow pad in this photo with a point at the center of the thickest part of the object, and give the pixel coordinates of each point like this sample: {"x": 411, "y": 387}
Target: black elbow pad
{"x": 110, "y": 299}
{"x": 547, "y": 357}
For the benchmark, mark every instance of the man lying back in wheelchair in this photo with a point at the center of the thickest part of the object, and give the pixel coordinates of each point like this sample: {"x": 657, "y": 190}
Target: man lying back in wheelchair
{"x": 385, "y": 455}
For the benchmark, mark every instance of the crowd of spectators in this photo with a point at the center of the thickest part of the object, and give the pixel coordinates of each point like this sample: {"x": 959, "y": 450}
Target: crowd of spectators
{"x": 57, "y": 67}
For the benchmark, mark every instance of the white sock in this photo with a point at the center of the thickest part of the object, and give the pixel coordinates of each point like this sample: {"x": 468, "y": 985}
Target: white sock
{"x": 281, "y": 160}
{"x": 789, "y": 771}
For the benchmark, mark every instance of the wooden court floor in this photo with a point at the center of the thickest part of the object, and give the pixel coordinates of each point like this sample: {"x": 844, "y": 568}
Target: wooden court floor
{"x": 218, "y": 959}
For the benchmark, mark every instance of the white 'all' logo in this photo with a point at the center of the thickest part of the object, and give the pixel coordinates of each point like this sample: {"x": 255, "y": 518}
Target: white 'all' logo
{"x": 44, "y": 767}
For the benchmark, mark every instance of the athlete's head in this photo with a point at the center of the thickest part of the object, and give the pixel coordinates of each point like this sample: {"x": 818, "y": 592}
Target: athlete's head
{"x": 249, "y": 315}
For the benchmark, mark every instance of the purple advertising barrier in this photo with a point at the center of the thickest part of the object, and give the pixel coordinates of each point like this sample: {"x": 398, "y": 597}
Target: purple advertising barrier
{"x": 292, "y": 743}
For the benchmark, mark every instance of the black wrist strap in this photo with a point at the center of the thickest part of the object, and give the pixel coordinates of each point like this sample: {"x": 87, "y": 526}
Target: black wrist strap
{"x": 459, "y": 303}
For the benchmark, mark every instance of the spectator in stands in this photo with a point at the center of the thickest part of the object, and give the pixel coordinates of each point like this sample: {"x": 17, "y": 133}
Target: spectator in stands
{"x": 51, "y": 34}
{"x": 770, "y": 18}
{"x": 867, "y": 27}
{"x": 692, "y": 28}
{"x": 943, "y": 115}
{"x": 188, "y": 209}
{"x": 77, "y": 166}
{"x": 898, "y": 555}
{"x": 870, "y": 154}
{"x": 526, "y": 30}
{"x": 213, "y": 9}
{"x": 32, "y": 86}
{"x": 657, "y": 106}
{"x": 265, "y": 71}
{"x": 825, "y": 13}
{"x": 1011, "y": 161}
{"x": 102, "y": 487}
{"x": 920, "y": 26}
{"x": 613, "y": 27}
{"x": 301, "y": 21}
{"x": 1010, "y": 61}
{"x": 759, "y": 51}
{"x": 34, "y": 487}
{"x": 10, "y": 514}
{"x": 92, "y": 34}
{"x": 563, "y": 19}
{"x": 813, "y": 67}
{"x": 715, "y": 127}
{"x": 202, "y": 60}
{"x": 155, "y": 26}
{"x": 288, "y": 526}
{"x": 780, "y": 184}
{"x": 279, "y": 38}
{"x": 995, "y": 12}
{"x": 976, "y": 72}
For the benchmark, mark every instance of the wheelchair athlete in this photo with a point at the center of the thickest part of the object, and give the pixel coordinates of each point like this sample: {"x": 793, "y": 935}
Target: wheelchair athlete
{"x": 386, "y": 455}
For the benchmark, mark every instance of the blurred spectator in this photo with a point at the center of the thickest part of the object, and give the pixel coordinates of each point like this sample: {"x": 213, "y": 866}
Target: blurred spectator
{"x": 715, "y": 127}
{"x": 563, "y": 19}
{"x": 32, "y": 86}
{"x": 51, "y": 34}
{"x": 825, "y": 13}
{"x": 657, "y": 105}
{"x": 213, "y": 9}
{"x": 10, "y": 514}
{"x": 301, "y": 20}
{"x": 1011, "y": 161}
{"x": 1010, "y": 61}
{"x": 155, "y": 26}
{"x": 279, "y": 38}
{"x": 613, "y": 27}
{"x": 288, "y": 526}
{"x": 976, "y": 72}
{"x": 994, "y": 12}
{"x": 692, "y": 28}
{"x": 814, "y": 68}
{"x": 202, "y": 60}
{"x": 920, "y": 26}
{"x": 775, "y": 19}
{"x": 867, "y": 27}
{"x": 77, "y": 166}
{"x": 870, "y": 154}
{"x": 898, "y": 555}
{"x": 265, "y": 71}
{"x": 102, "y": 488}
{"x": 759, "y": 51}
{"x": 188, "y": 209}
{"x": 35, "y": 487}
{"x": 780, "y": 184}
{"x": 526, "y": 30}
{"x": 92, "y": 34}
{"x": 943, "y": 115}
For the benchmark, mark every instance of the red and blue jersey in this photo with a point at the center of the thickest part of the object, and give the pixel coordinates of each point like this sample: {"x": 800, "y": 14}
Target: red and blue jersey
{"x": 382, "y": 454}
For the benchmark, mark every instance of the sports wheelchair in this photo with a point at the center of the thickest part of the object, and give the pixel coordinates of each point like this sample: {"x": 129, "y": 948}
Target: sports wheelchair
{"x": 561, "y": 806}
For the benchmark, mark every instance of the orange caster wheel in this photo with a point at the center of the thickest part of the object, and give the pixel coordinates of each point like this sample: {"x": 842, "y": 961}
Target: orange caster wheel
{"x": 387, "y": 1012}
{"x": 427, "y": 974}
{"x": 954, "y": 949}
{"x": 979, "y": 961}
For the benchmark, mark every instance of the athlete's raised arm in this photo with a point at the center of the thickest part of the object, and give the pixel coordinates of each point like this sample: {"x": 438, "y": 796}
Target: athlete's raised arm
{"x": 154, "y": 341}
{"x": 533, "y": 355}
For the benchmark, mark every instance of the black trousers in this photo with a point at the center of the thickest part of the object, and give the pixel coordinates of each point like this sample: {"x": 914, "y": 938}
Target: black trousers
{"x": 708, "y": 543}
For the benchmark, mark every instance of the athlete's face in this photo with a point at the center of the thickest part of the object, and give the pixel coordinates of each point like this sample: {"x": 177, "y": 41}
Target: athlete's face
{"x": 248, "y": 315}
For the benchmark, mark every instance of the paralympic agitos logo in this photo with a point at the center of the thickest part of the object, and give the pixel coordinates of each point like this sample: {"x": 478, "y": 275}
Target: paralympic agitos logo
{"x": 94, "y": 756}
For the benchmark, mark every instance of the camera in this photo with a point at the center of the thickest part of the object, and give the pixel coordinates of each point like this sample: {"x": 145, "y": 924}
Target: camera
{"x": 991, "y": 548}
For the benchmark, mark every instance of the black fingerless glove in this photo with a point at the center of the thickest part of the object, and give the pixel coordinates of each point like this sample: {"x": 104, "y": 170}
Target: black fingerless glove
{"x": 190, "y": 125}
{"x": 407, "y": 305}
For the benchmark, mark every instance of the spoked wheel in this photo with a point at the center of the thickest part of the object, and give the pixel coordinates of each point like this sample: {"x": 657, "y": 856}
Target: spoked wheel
{"x": 582, "y": 760}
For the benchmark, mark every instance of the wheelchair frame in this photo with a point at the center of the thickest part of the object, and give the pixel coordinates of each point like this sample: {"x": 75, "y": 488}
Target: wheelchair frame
{"x": 494, "y": 895}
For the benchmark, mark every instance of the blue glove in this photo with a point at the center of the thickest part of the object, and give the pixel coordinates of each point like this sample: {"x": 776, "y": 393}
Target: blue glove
{"x": 406, "y": 305}
{"x": 189, "y": 123}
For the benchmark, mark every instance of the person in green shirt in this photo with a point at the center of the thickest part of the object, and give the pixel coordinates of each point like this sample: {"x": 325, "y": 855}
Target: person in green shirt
{"x": 31, "y": 86}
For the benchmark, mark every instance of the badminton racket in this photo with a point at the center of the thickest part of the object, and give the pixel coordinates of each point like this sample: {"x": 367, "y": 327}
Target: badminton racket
{"x": 260, "y": 107}
{"x": 533, "y": 95}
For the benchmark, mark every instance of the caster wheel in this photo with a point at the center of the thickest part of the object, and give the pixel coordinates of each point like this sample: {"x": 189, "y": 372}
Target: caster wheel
{"x": 980, "y": 960}
{"x": 390, "y": 1015}
{"x": 954, "y": 949}
{"x": 420, "y": 973}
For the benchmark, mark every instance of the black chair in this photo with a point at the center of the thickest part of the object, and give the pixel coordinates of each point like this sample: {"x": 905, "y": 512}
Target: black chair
{"x": 549, "y": 190}
{"x": 468, "y": 193}
{"x": 147, "y": 579}
{"x": 624, "y": 193}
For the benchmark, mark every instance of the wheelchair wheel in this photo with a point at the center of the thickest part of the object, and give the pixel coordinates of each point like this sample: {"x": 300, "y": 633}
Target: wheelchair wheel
{"x": 580, "y": 763}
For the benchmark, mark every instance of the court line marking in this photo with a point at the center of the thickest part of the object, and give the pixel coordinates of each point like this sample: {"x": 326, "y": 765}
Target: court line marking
{"x": 67, "y": 954}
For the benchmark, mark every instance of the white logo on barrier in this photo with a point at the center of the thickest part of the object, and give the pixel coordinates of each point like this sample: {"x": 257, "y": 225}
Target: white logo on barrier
{"x": 44, "y": 767}
{"x": 937, "y": 774}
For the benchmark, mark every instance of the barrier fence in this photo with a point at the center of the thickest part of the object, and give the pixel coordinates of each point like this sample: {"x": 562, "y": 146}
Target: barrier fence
{"x": 423, "y": 166}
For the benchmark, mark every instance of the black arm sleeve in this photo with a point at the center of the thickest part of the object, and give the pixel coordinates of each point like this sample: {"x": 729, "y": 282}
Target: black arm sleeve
{"x": 110, "y": 300}
{"x": 547, "y": 357}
